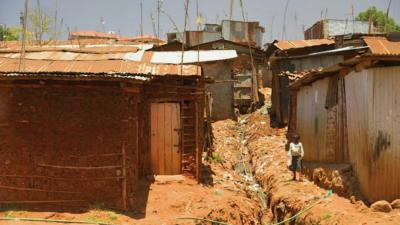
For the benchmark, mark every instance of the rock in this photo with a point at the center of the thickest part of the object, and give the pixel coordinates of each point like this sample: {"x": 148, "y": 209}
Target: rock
{"x": 396, "y": 204}
{"x": 353, "y": 199}
{"x": 381, "y": 206}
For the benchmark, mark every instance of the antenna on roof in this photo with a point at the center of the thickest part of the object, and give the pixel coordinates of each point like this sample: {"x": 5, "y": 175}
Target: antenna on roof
{"x": 154, "y": 24}
{"x": 284, "y": 20}
{"x": 326, "y": 13}
{"x": 186, "y": 4}
{"x": 103, "y": 24}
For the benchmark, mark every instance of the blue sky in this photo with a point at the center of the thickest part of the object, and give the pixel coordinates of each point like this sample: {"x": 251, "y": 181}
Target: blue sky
{"x": 124, "y": 15}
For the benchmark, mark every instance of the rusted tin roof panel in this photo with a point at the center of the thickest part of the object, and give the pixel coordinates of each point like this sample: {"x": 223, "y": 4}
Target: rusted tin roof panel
{"x": 98, "y": 66}
{"x": 382, "y": 46}
{"x": 285, "y": 45}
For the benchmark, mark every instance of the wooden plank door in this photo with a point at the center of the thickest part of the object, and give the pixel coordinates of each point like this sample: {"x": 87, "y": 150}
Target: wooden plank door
{"x": 165, "y": 138}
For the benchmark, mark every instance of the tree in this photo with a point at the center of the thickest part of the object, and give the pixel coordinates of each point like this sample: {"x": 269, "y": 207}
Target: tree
{"x": 9, "y": 33}
{"x": 379, "y": 19}
{"x": 39, "y": 23}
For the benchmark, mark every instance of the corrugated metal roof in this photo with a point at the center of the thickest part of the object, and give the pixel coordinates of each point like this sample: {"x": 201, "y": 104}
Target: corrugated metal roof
{"x": 285, "y": 45}
{"x": 73, "y": 56}
{"x": 175, "y": 57}
{"x": 143, "y": 38}
{"x": 139, "y": 56}
{"x": 99, "y": 66}
{"x": 92, "y": 33}
{"x": 76, "y": 48}
{"x": 382, "y": 46}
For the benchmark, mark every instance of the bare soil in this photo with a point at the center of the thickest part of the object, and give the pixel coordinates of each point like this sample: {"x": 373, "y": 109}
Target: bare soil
{"x": 245, "y": 181}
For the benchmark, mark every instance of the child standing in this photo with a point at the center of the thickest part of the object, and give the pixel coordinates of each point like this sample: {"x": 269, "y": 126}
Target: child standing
{"x": 296, "y": 153}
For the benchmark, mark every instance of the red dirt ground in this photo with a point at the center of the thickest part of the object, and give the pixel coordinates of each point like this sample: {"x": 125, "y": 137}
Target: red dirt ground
{"x": 224, "y": 196}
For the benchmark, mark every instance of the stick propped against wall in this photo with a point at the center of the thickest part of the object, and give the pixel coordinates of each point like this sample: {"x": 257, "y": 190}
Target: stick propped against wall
{"x": 124, "y": 176}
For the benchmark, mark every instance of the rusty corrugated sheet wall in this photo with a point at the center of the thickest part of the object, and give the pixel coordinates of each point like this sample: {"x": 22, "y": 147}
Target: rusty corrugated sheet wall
{"x": 321, "y": 127}
{"x": 373, "y": 113}
{"x": 311, "y": 120}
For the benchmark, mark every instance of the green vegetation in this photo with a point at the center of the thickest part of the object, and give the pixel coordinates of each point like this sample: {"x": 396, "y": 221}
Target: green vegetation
{"x": 100, "y": 214}
{"x": 215, "y": 158}
{"x": 379, "y": 19}
{"x": 9, "y": 33}
{"x": 39, "y": 23}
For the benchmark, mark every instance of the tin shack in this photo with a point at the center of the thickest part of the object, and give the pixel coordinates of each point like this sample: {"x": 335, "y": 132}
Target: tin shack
{"x": 349, "y": 113}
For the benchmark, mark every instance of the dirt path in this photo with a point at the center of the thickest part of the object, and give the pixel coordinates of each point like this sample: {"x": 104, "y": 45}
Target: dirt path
{"x": 285, "y": 197}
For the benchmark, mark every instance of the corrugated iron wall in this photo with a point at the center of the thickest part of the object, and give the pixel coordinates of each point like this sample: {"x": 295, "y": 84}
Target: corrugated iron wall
{"x": 373, "y": 120}
{"x": 311, "y": 120}
{"x": 319, "y": 124}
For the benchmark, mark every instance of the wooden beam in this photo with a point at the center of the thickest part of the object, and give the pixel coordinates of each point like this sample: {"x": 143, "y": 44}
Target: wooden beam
{"x": 62, "y": 178}
{"x": 80, "y": 167}
{"x": 37, "y": 190}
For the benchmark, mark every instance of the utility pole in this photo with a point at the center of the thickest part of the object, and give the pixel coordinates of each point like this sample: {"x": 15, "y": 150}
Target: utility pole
{"x": 158, "y": 18}
{"x": 284, "y": 20}
{"x": 141, "y": 17}
{"x": 231, "y": 12}
{"x": 153, "y": 25}
{"x": 103, "y": 24}
{"x": 22, "y": 55}
{"x": 387, "y": 15}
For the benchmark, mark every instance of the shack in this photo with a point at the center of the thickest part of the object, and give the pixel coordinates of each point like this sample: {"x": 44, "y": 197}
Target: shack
{"x": 277, "y": 53}
{"x": 348, "y": 113}
{"x": 247, "y": 71}
{"x": 79, "y": 128}
{"x": 329, "y": 28}
{"x": 217, "y": 66}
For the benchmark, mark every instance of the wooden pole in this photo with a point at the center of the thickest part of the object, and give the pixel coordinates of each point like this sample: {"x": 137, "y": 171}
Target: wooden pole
{"x": 124, "y": 176}
{"x": 198, "y": 154}
{"x": 22, "y": 55}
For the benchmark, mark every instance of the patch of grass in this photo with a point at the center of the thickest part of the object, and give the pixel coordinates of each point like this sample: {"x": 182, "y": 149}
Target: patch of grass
{"x": 95, "y": 219}
{"x": 101, "y": 214}
{"x": 327, "y": 216}
{"x": 215, "y": 158}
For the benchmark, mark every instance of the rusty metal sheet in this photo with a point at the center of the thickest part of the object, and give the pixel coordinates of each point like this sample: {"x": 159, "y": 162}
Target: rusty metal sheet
{"x": 382, "y": 46}
{"x": 92, "y": 33}
{"x": 285, "y": 45}
{"x": 98, "y": 66}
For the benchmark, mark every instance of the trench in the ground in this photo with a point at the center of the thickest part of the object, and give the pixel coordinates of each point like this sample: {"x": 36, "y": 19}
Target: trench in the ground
{"x": 244, "y": 167}
{"x": 271, "y": 214}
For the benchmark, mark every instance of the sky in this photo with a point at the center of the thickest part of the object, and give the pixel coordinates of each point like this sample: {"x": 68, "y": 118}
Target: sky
{"x": 123, "y": 16}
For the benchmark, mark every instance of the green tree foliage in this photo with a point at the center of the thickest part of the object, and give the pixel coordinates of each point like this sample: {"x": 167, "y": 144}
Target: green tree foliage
{"x": 9, "y": 33}
{"x": 379, "y": 19}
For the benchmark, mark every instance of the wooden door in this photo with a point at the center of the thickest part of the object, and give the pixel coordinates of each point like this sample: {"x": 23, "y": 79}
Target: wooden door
{"x": 165, "y": 138}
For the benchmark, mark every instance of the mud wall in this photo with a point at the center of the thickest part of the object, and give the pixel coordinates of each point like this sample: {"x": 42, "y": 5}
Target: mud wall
{"x": 70, "y": 143}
